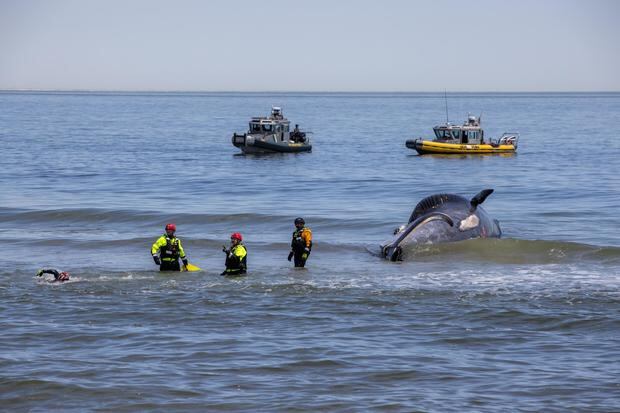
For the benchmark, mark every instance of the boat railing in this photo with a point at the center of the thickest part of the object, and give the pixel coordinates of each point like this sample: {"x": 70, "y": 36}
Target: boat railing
{"x": 509, "y": 138}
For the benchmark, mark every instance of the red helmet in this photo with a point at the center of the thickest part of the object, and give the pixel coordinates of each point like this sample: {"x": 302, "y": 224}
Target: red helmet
{"x": 63, "y": 276}
{"x": 236, "y": 236}
{"x": 171, "y": 227}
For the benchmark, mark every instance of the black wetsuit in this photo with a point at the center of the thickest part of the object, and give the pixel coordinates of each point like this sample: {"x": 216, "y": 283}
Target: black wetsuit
{"x": 52, "y": 271}
{"x": 236, "y": 260}
{"x": 299, "y": 247}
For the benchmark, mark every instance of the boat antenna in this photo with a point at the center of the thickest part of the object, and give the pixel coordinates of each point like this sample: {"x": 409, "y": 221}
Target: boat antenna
{"x": 445, "y": 95}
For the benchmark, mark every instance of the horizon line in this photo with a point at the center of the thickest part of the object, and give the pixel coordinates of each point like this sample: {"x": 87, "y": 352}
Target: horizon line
{"x": 295, "y": 91}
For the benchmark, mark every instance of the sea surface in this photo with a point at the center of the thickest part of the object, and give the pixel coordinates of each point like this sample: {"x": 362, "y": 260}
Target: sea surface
{"x": 526, "y": 323}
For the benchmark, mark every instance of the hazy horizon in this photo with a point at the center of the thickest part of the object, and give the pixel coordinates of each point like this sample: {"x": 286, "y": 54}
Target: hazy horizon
{"x": 460, "y": 92}
{"x": 346, "y": 46}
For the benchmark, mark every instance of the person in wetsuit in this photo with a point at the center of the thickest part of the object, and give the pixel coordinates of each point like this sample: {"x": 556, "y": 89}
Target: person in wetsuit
{"x": 301, "y": 244}
{"x": 297, "y": 135}
{"x": 59, "y": 276}
{"x": 167, "y": 250}
{"x": 236, "y": 256}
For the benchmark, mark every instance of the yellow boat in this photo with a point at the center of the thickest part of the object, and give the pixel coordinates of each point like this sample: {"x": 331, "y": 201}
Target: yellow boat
{"x": 464, "y": 139}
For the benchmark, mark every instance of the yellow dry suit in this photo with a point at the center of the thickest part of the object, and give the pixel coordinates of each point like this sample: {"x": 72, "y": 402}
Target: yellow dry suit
{"x": 169, "y": 250}
{"x": 236, "y": 260}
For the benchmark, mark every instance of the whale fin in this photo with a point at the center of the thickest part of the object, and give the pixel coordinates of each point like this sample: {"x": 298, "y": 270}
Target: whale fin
{"x": 393, "y": 250}
{"x": 479, "y": 198}
{"x": 397, "y": 255}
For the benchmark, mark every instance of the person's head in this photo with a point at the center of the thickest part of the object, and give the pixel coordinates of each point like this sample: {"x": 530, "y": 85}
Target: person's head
{"x": 236, "y": 238}
{"x": 63, "y": 276}
{"x": 170, "y": 229}
{"x": 299, "y": 223}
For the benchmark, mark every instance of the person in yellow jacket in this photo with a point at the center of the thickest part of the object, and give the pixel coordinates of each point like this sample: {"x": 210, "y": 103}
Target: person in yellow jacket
{"x": 167, "y": 250}
{"x": 301, "y": 245}
{"x": 236, "y": 256}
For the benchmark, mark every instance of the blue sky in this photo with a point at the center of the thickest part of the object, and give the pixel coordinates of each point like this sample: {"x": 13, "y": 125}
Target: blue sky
{"x": 265, "y": 45}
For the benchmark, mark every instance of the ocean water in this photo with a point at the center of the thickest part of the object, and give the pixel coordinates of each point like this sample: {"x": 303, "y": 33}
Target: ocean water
{"x": 525, "y": 323}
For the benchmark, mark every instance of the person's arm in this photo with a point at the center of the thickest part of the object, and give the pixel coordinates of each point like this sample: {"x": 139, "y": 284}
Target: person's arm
{"x": 307, "y": 237}
{"x": 182, "y": 254}
{"x": 181, "y": 251}
{"x": 161, "y": 241}
{"x": 52, "y": 271}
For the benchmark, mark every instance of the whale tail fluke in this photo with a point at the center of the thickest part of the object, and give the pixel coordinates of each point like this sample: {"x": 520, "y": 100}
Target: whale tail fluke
{"x": 479, "y": 198}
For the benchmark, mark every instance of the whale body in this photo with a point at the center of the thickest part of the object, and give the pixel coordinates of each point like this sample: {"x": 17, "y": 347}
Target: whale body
{"x": 443, "y": 218}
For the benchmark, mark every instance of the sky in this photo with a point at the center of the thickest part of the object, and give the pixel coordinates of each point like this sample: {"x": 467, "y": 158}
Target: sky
{"x": 312, "y": 45}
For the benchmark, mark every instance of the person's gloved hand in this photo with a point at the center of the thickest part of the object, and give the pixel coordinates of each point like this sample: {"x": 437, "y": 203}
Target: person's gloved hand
{"x": 304, "y": 256}
{"x": 290, "y": 255}
{"x": 40, "y": 273}
{"x": 185, "y": 261}
{"x": 156, "y": 259}
{"x": 225, "y": 250}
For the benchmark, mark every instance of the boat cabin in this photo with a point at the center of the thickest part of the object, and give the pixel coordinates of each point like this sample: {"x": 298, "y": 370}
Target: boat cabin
{"x": 275, "y": 124}
{"x": 469, "y": 133}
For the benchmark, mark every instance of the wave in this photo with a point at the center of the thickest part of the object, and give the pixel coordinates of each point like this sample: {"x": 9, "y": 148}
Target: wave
{"x": 498, "y": 251}
{"x": 73, "y": 215}
{"x": 87, "y": 231}
{"x": 96, "y": 215}
{"x": 515, "y": 251}
{"x": 400, "y": 286}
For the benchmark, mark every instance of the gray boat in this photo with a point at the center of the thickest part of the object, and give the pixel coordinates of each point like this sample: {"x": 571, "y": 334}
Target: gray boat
{"x": 272, "y": 134}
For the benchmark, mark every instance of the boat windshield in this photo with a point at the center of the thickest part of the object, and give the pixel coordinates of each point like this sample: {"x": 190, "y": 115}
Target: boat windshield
{"x": 258, "y": 128}
{"x": 446, "y": 134}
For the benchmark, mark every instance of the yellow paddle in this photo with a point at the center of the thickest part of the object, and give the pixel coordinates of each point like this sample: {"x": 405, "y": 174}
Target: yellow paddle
{"x": 190, "y": 267}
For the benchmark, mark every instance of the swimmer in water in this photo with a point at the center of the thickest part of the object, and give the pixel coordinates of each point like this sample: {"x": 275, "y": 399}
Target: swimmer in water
{"x": 59, "y": 276}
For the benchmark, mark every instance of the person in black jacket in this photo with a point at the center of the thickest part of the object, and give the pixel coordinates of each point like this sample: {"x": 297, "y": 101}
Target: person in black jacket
{"x": 59, "y": 276}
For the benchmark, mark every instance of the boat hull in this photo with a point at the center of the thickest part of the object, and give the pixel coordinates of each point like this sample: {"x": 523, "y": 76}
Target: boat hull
{"x": 249, "y": 144}
{"x": 283, "y": 147}
{"x": 428, "y": 147}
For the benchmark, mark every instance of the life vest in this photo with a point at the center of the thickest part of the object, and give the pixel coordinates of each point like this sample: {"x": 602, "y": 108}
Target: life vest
{"x": 235, "y": 262}
{"x": 170, "y": 251}
{"x": 298, "y": 242}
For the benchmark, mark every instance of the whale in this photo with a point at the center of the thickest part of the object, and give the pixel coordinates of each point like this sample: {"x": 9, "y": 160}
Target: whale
{"x": 442, "y": 218}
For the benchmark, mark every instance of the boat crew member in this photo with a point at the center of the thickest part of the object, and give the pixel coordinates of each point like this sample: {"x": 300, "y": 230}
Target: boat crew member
{"x": 59, "y": 276}
{"x": 297, "y": 135}
{"x": 236, "y": 256}
{"x": 167, "y": 250}
{"x": 301, "y": 245}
